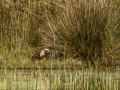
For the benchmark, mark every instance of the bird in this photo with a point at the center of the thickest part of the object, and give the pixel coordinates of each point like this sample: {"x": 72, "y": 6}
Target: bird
{"x": 40, "y": 54}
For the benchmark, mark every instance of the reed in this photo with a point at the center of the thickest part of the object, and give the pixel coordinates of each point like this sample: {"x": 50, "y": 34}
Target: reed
{"x": 59, "y": 79}
{"x": 78, "y": 28}
{"x": 83, "y": 30}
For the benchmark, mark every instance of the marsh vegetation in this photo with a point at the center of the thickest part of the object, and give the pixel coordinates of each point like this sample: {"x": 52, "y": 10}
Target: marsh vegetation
{"x": 85, "y": 31}
{"x": 81, "y": 33}
{"x": 59, "y": 80}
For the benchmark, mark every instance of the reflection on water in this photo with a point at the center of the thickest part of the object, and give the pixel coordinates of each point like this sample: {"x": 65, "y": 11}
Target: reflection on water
{"x": 59, "y": 80}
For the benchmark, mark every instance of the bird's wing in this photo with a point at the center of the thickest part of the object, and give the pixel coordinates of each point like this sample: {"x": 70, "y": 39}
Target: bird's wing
{"x": 42, "y": 53}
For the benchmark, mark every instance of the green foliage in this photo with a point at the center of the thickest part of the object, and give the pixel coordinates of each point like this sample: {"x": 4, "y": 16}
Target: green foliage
{"x": 88, "y": 31}
{"x": 59, "y": 80}
{"x": 84, "y": 32}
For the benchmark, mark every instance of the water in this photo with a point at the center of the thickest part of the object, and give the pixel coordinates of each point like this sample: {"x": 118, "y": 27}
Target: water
{"x": 59, "y": 80}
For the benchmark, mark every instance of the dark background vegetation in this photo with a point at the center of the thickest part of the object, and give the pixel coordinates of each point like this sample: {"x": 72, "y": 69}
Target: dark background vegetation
{"x": 88, "y": 30}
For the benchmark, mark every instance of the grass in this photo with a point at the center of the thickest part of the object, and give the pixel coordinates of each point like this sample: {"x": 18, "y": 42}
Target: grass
{"x": 59, "y": 79}
{"x": 88, "y": 33}
{"x": 26, "y": 63}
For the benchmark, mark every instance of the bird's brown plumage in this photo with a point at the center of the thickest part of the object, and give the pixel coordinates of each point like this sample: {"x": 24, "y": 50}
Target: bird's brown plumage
{"x": 40, "y": 54}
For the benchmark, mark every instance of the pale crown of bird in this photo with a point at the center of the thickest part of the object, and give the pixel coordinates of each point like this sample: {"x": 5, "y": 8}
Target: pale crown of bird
{"x": 42, "y": 53}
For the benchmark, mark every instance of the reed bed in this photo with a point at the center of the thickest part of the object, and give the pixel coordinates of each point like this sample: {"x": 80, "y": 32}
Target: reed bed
{"x": 83, "y": 30}
{"x": 59, "y": 79}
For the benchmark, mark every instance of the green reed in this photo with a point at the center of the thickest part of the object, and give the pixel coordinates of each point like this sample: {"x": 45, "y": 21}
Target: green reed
{"x": 88, "y": 31}
{"x": 58, "y": 79}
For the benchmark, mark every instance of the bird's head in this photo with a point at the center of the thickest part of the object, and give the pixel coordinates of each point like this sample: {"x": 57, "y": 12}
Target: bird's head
{"x": 46, "y": 51}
